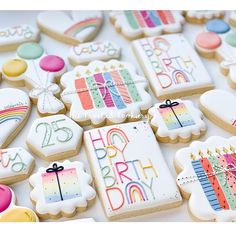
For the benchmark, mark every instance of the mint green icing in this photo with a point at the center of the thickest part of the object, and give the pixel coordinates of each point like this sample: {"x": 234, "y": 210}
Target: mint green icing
{"x": 231, "y": 39}
{"x": 30, "y": 51}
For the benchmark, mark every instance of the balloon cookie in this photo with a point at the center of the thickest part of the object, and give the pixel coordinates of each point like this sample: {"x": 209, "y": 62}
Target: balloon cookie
{"x": 14, "y": 112}
{"x": 39, "y": 72}
{"x": 70, "y": 27}
{"x": 9, "y": 212}
{"x": 62, "y": 189}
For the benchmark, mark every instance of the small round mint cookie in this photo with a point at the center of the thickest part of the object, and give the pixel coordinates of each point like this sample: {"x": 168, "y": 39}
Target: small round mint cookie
{"x": 231, "y": 39}
{"x": 30, "y": 51}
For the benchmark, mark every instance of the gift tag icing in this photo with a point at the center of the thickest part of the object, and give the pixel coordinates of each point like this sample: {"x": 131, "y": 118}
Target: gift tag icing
{"x": 9, "y": 212}
{"x": 54, "y": 137}
{"x": 172, "y": 66}
{"x": 70, "y": 27}
{"x": 16, "y": 164}
{"x": 208, "y": 178}
{"x": 103, "y": 91}
{"x": 232, "y": 18}
{"x": 219, "y": 42}
{"x": 177, "y": 120}
{"x": 38, "y": 72}
{"x": 11, "y": 37}
{"x": 218, "y": 105}
{"x": 129, "y": 170}
{"x": 14, "y": 111}
{"x": 135, "y": 24}
{"x": 84, "y": 53}
{"x": 61, "y": 189}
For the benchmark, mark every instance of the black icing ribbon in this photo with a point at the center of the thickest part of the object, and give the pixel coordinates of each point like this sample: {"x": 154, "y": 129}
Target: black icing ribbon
{"x": 170, "y": 104}
{"x": 55, "y": 169}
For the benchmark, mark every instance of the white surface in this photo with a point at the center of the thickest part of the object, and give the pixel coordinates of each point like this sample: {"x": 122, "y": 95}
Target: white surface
{"x": 108, "y": 32}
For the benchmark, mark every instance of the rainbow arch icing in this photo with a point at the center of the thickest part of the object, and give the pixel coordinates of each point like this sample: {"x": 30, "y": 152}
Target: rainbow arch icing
{"x": 118, "y": 133}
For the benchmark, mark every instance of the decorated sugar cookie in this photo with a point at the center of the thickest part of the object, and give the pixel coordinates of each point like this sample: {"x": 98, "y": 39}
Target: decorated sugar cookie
{"x": 11, "y": 37}
{"x": 16, "y": 164}
{"x": 232, "y": 18}
{"x": 9, "y": 212}
{"x": 70, "y": 27}
{"x": 105, "y": 91}
{"x": 219, "y": 42}
{"x": 207, "y": 178}
{"x": 84, "y": 53}
{"x": 62, "y": 189}
{"x": 14, "y": 111}
{"x": 202, "y": 16}
{"x": 218, "y": 106}
{"x": 172, "y": 66}
{"x": 137, "y": 24}
{"x": 129, "y": 170}
{"x": 38, "y": 71}
{"x": 54, "y": 137}
{"x": 176, "y": 121}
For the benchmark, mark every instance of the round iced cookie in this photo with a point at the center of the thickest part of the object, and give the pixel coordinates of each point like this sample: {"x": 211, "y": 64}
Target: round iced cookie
{"x": 217, "y": 26}
{"x": 231, "y": 39}
{"x": 14, "y": 68}
{"x": 52, "y": 63}
{"x": 208, "y": 40}
{"x": 5, "y": 197}
{"x": 30, "y": 51}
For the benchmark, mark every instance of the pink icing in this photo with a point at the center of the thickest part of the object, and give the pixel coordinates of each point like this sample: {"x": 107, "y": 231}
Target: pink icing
{"x": 208, "y": 40}
{"x": 5, "y": 197}
{"x": 52, "y": 63}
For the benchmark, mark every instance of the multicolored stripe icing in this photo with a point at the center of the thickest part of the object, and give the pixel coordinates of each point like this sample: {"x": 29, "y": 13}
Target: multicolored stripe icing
{"x": 112, "y": 89}
{"x": 82, "y": 25}
{"x": 218, "y": 185}
{"x": 14, "y": 113}
{"x": 69, "y": 185}
{"x": 149, "y": 19}
{"x": 180, "y": 111}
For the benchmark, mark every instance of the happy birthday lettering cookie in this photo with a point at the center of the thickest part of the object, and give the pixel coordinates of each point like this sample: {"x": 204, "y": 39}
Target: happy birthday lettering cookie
{"x": 105, "y": 92}
{"x": 137, "y": 24}
{"x": 11, "y": 37}
{"x": 14, "y": 112}
{"x": 70, "y": 27}
{"x": 176, "y": 121}
{"x": 218, "y": 106}
{"x": 207, "y": 178}
{"x": 62, "y": 189}
{"x": 219, "y": 42}
{"x": 232, "y": 18}
{"x": 84, "y": 53}
{"x": 172, "y": 66}
{"x": 9, "y": 212}
{"x": 54, "y": 137}
{"x": 38, "y": 72}
{"x": 129, "y": 170}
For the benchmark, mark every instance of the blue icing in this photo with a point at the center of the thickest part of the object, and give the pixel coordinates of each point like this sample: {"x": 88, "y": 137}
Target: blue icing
{"x": 218, "y": 26}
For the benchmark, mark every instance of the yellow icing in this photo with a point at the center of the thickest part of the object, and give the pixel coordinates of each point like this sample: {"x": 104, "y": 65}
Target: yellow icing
{"x": 14, "y": 68}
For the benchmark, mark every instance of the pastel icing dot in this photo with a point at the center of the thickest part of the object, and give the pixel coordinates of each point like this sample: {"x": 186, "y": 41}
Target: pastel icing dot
{"x": 14, "y": 68}
{"x": 231, "y": 39}
{"x": 218, "y": 26}
{"x": 5, "y": 197}
{"x": 30, "y": 51}
{"x": 52, "y": 63}
{"x": 208, "y": 40}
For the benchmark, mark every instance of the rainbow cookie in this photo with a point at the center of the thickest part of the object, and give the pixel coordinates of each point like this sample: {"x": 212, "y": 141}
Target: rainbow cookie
{"x": 219, "y": 42}
{"x": 172, "y": 66}
{"x": 176, "y": 121}
{"x": 232, "y": 18}
{"x": 9, "y": 212}
{"x": 54, "y": 137}
{"x": 62, "y": 189}
{"x": 207, "y": 178}
{"x": 105, "y": 92}
{"x": 138, "y": 24}
{"x": 129, "y": 170}
{"x": 14, "y": 112}
{"x": 11, "y": 37}
{"x": 73, "y": 27}
{"x": 39, "y": 72}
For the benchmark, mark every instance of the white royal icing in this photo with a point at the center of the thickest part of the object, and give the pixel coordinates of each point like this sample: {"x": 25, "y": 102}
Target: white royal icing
{"x": 129, "y": 169}
{"x": 208, "y": 175}
{"x": 61, "y": 188}
{"x": 232, "y": 17}
{"x": 14, "y": 108}
{"x": 204, "y": 14}
{"x": 171, "y": 65}
{"x": 105, "y": 90}
{"x": 177, "y": 119}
